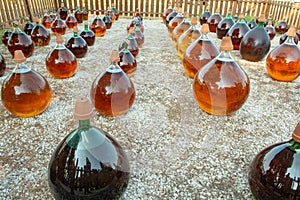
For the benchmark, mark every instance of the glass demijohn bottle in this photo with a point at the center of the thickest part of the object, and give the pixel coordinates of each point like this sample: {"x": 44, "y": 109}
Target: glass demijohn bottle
{"x": 85, "y": 14}
{"x": 2, "y": 65}
{"x": 58, "y": 26}
{"x": 88, "y": 163}
{"x": 62, "y": 11}
{"x": 180, "y": 29}
{"x": 88, "y": 35}
{"x": 204, "y": 16}
{"x": 39, "y": 34}
{"x": 25, "y": 92}
{"x": 168, "y": 11}
{"x": 77, "y": 44}
{"x": 199, "y": 53}
{"x": 28, "y": 26}
{"x": 281, "y": 27}
{"x": 175, "y": 22}
{"x": 47, "y": 20}
{"x": 284, "y": 36}
{"x": 115, "y": 11}
{"x": 71, "y": 21}
{"x": 171, "y": 15}
{"x": 107, "y": 20}
{"x": 224, "y": 25}
{"x": 78, "y": 15}
{"x": 127, "y": 61}
{"x": 112, "y": 92}
{"x": 221, "y": 87}
{"x": 133, "y": 45}
{"x": 283, "y": 62}
{"x": 214, "y": 20}
{"x": 275, "y": 171}
{"x": 61, "y": 62}
{"x": 270, "y": 30}
{"x": 98, "y": 26}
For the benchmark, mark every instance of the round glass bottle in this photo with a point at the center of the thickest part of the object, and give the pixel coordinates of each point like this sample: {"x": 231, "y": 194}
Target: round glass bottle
{"x": 135, "y": 22}
{"x": 77, "y": 44}
{"x": 204, "y": 16}
{"x": 270, "y": 30}
{"x": 85, "y": 14}
{"x": 112, "y": 91}
{"x": 78, "y": 15}
{"x": 61, "y": 62}
{"x": 274, "y": 172}
{"x": 284, "y": 36}
{"x": 127, "y": 61}
{"x": 2, "y": 65}
{"x": 256, "y": 44}
{"x": 224, "y": 25}
{"x": 111, "y": 15}
{"x": 283, "y": 62}
{"x": 214, "y": 20}
{"x": 6, "y": 34}
{"x": 71, "y": 21}
{"x": 107, "y": 20}
{"x": 39, "y": 34}
{"x": 98, "y": 26}
{"x": 281, "y": 27}
{"x": 133, "y": 45}
{"x": 25, "y": 92}
{"x": 238, "y": 31}
{"x": 115, "y": 11}
{"x": 188, "y": 37}
{"x": 180, "y": 29}
{"x": 139, "y": 36}
{"x": 175, "y": 22}
{"x": 88, "y": 35}
{"x": 88, "y": 163}
{"x": 199, "y": 53}
{"x": 20, "y": 41}
{"x": 62, "y": 11}
{"x": 168, "y": 11}
{"x": 47, "y": 20}
{"x": 252, "y": 23}
{"x": 28, "y": 26}
{"x": 58, "y": 26}
{"x": 221, "y": 87}
{"x": 171, "y": 15}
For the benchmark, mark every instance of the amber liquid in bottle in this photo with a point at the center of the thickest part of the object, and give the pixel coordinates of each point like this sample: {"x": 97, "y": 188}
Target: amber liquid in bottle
{"x": 171, "y": 16}
{"x": 88, "y": 35}
{"x": 204, "y": 17}
{"x": 224, "y": 26}
{"x": 213, "y": 22}
{"x": 135, "y": 22}
{"x": 283, "y": 62}
{"x": 20, "y": 41}
{"x": 63, "y": 13}
{"x": 281, "y": 27}
{"x": 115, "y": 11}
{"x": 271, "y": 31}
{"x": 26, "y": 93}
{"x": 58, "y": 26}
{"x": 112, "y": 92}
{"x": 78, "y": 15}
{"x": 40, "y": 35}
{"x": 107, "y": 20}
{"x": 71, "y": 21}
{"x": 47, "y": 21}
{"x": 168, "y": 11}
{"x": 237, "y": 32}
{"x": 127, "y": 61}
{"x": 85, "y": 15}
{"x": 98, "y": 26}
{"x": 77, "y": 45}
{"x": 2, "y": 65}
{"x": 180, "y": 29}
{"x": 174, "y": 23}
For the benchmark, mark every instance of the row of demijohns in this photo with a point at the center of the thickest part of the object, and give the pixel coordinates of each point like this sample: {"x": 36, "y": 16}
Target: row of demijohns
{"x": 88, "y": 163}
{"x": 221, "y": 86}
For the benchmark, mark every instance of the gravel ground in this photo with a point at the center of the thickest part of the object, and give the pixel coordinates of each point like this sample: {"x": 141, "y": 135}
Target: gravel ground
{"x": 176, "y": 150}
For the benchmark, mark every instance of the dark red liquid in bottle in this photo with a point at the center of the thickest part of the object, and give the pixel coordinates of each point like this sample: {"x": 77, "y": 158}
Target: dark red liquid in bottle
{"x": 28, "y": 27}
{"x": 213, "y": 22}
{"x": 77, "y": 45}
{"x": 271, "y": 31}
{"x": 88, "y": 35}
{"x": 40, "y": 35}
{"x": 2, "y": 65}
{"x": 79, "y": 15}
{"x": 85, "y": 14}
{"x": 127, "y": 62}
{"x": 98, "y": 26}
{"x": 282, "y": 27}
{"x": 71, "y": 21}
{"x": 204, "y": 17}
{"x": 6, "y": 36}
{"x": 63, "y": 13}
{"x": 58, "y": 26}
{"x": 237, "y": 32}
{"x": 224, "y": 26}
{"x": 107, "y": 21}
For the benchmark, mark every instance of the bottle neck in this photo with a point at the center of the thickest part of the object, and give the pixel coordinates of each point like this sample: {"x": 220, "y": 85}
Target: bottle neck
{"x": 86, "y": 27}
{"x": 225, "y": 55}
{"x": 204, "y": 36}
{"x": 84, "y": 123}
{"x": 75, "y": 34}
{"x": 294, "y": 145}
{"x": 229, "y": 16}
{"x": 261, "y": 24}
{"x": 290, "y": 40}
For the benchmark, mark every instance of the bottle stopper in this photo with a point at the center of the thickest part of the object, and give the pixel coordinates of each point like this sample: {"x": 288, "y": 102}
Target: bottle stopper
{"x": 7, "y": 26}
{"x": 19, "y": 56}
{"x": 180, "y": 10}
{"x": 62, "y": 4}
{"x": 35, "y": 19}
{"x": 262, "y": 17}
{"x": 194, "y": 21}
{"x": 75, "y": 29}
{"x": 205, "y": 28}
{"x": 207, "y": 7}
{"x": 59, "y": 38}
{"x": 114, "y": 57}
{"x": 296, "y": 133}
{"x": 83, "y": 109}
{"x": 175, "y": 8}
{"x": 292, "y": 31}
{"x": 217, "y": 10}
{"x": 226, "y": 44}
{"x": 229, "y": 11}
{"x": 26, "y": 18}
{"x": 270, "y": 22}
{"x": 112, "y": 4}
{"x": 186, "y": 15}
{"x": 241, "y": 16}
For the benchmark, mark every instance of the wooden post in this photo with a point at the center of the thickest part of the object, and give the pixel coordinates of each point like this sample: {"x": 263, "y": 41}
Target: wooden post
{"x": 28, "y": 9}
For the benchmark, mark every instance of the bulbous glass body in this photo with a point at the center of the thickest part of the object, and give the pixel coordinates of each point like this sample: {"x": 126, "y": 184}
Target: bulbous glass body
{"x": 170, "y": 17}
{"x": 112, "y": 92}
{"x": 168, "y": 11}
{"x": 198, "y": 54}
{"x": 283, "y": 38}
{"x": 135, "y": 22}
{"x": 174, "y": 23}
{"x": 221, "y": 87}
{"x": 204, "y": 17}
{"x": 179, "y": 30}
{"x": 115, "y": 12}
{"x": 63, "y": 13}
{"x": 237, "y": 32}
{"x": 139, "y": 37}
{"x": 88, "y": 164}
{"x": 77, "y": 45}
{"x": 71, "y": 21}
{"x": 223, "y": 26}
{"x": 20, "y": 41}
{"x": 61, "y": 62}
{"x": 274, "y": 172}
{"x": 6, "y": 36}
{"x": 58, "y": 26}
{"x": 78, "y": 15}
{"x": 40, "y": 35}
{"x": 28, "y": 27}
{"x": 98, "y": 27}
{"x": 127, "y": 62}
{"x": 282, "y": 27}
{"x": 47, "y": 21}
{"x": 186, "y": 39}
{"x": 85, "y": 14}
{"x": 271, "y": 31}
{"x": 252, "y": 23}
{"x": 2, "y": 65}
{"x": 25, "y": 93}
{"x": 213, "y": 22}
{"x": 88, "y": 35}
{"x": 107, "y": 20}
{"x": 283, "y": 62}
{"x": 132, "y": 46}
{"x": 256, "y": 44}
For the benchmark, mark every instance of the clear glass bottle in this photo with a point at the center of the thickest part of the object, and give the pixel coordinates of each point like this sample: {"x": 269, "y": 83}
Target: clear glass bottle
{"x": 171, "y": 15}
{"x": 283, "y": 62}
{"x": 175, "y": 22}
{"x": 238, "y": 31}
{"x": 39, "y": 34}
{"x": 252, "y": 23}
{"x": 284, "y": 36}
{"x": 62, "y": 11}
{"x": 25, "y": 92}
{"x": 115, "y": 11}
{"x": 256, "y": 44}
{"x": 107, "y": 20}
{"x": 199, "y": 53}
{"x": 111, "y": 15}
{"x": 58, "y": 26}
{"x": 180, "y": 29}
{"x": 88, "y": 35}
{"x": 28, "y": 26}
{"x": 270, "y": 30}
{"x": 214, "y": 20}
{"x": 281, "y": 27}
{"x": 133, "y": 45}
{"x": 61, "y": 62}
{"x": 98, "y": 26}
{"x": 127, "y": 61}
{"x": 168, "y": 11}
{"x": 2, "y": 65}
{"x": 224, "y": 25}
{"x": 6, "y": 34}
{"x": 139, "y": 36}
{"x": 78, "y": 15}
{"x": 204, "y": 16}
{"x": 88, "y": 163}
{"x": 188, "y": 37}
{"x": 77, "y": 44}
{"x": 270, "y": 18}
{"x": 221, "y": 87}
{"x": 47, "y": 20}
{"x": 20, "y": 41}
{"x": 135, "y": 22}
{"x": 71, "y": 21}
{"x": 274, "y": 172}
{"x": 112, "y": 91}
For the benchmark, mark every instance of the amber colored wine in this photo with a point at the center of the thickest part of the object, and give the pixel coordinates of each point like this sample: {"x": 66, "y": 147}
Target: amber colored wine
{"x": 78, "y": 15}
{"x": 224, "y": 25}
{"x": 237, "y": 32}
{"x": 28, "y": 27}
{"x": 175, "y": 22}
{"x": 204, "y": 16}
{"x": 115, "y": 11}
{"x": 127, "y": 62}
{"x": 213, "y": 21}
{"x": 281, "y": 27}
{"x": 71, "y": 21}
{"x": 168, "y": 11}
{"x": 98, "y": 26}
{"x": 107, "y": 20}
{"x": 85, "y": 14}
{"x": 58, "y": 26}
{"x": 40, "y": 35}
{"x": 88, "y": 35}
{"x": 47, "y": 21}
{"x": 78, "y": 46}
